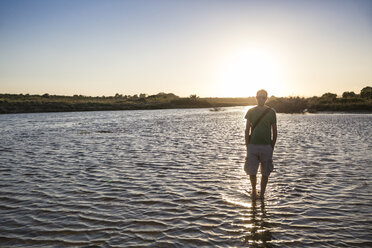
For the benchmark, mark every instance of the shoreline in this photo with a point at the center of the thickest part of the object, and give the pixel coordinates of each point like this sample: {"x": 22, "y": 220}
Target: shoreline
{"x": 13, "y": 103}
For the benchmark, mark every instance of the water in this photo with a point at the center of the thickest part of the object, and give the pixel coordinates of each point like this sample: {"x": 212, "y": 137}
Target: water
{"x": 175, "y": 178}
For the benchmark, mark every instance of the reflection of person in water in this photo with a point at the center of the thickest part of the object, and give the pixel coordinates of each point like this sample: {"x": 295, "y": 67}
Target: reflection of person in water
{"x": 261, "y": 120}
{"x": 259, "y": 230}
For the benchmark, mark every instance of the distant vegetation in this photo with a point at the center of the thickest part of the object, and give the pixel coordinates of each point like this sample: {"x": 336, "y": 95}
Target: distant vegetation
{"x": 349, "y": 102}
{"x": 13, "y": 103}
{"x": 20, "y": 103}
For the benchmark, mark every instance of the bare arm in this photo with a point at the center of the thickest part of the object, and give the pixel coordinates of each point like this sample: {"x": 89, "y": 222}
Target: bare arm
{"x": 275, "y": 135}
{"x": 247, "y": 130}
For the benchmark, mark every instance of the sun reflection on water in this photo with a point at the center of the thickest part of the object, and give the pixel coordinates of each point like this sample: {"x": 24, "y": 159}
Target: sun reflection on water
{"x": 257, "y": 230}
{"x": 254, "y": 221}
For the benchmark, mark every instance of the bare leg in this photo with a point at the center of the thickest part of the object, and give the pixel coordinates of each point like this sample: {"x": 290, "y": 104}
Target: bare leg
{"x": 253, "y": 179}
{"x": 264, "y": 180}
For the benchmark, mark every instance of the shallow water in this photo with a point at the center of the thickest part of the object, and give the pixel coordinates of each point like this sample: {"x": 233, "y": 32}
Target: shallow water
{"x": 174, "y": 178}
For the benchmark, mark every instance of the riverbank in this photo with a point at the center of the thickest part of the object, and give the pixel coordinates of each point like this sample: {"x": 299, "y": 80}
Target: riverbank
{"x": 47, "y": 103}
{"x": 20, "y": 103}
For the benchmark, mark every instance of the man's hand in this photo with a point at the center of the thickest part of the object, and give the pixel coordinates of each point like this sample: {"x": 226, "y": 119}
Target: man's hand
{"x": 275, "y": 135}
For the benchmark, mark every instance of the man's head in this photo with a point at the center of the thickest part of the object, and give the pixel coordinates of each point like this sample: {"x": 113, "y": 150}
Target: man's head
{"x": 261, "y": 97}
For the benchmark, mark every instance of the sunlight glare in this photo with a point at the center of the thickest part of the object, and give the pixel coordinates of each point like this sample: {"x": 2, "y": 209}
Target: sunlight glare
{"x": 246, "y": 71}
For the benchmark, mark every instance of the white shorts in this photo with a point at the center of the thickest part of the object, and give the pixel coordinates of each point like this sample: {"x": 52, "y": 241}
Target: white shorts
{"x": 259, "y": 154}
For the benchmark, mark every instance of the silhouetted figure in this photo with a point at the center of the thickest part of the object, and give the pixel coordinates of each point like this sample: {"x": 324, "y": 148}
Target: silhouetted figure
{"x": 260, "y": 142}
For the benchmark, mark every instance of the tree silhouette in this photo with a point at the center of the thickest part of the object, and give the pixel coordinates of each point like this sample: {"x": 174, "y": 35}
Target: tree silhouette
{"x": 366, "y": 92}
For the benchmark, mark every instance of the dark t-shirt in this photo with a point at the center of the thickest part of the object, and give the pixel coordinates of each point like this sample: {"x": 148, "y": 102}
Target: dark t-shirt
{"x": 262, "y": 133}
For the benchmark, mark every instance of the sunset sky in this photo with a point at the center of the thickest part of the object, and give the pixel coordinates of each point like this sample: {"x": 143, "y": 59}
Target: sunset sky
{"x": 208, "y": 48}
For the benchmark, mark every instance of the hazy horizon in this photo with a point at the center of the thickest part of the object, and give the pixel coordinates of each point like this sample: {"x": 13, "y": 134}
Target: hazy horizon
{"x": 207, "y": 48}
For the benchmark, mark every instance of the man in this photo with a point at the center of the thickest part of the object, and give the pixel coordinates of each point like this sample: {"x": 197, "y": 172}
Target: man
{"x": 260, "y": 139}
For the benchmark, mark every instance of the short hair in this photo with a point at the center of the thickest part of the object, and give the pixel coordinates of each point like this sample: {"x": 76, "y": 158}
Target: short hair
{"x": 260, "y": 92}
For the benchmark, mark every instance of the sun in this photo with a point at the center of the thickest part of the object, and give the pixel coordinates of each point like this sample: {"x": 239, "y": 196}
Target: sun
{"x": 244, "y": 72}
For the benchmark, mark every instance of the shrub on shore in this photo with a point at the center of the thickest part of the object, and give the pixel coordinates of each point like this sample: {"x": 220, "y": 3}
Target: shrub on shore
{"x": 288, "y": 105}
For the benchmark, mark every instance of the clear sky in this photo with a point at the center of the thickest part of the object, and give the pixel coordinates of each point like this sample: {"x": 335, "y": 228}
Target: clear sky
{"x": 208, "y": 48}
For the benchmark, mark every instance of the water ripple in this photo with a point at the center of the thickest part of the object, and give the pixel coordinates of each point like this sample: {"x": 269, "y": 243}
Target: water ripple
{"x": 174, "y": 178}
